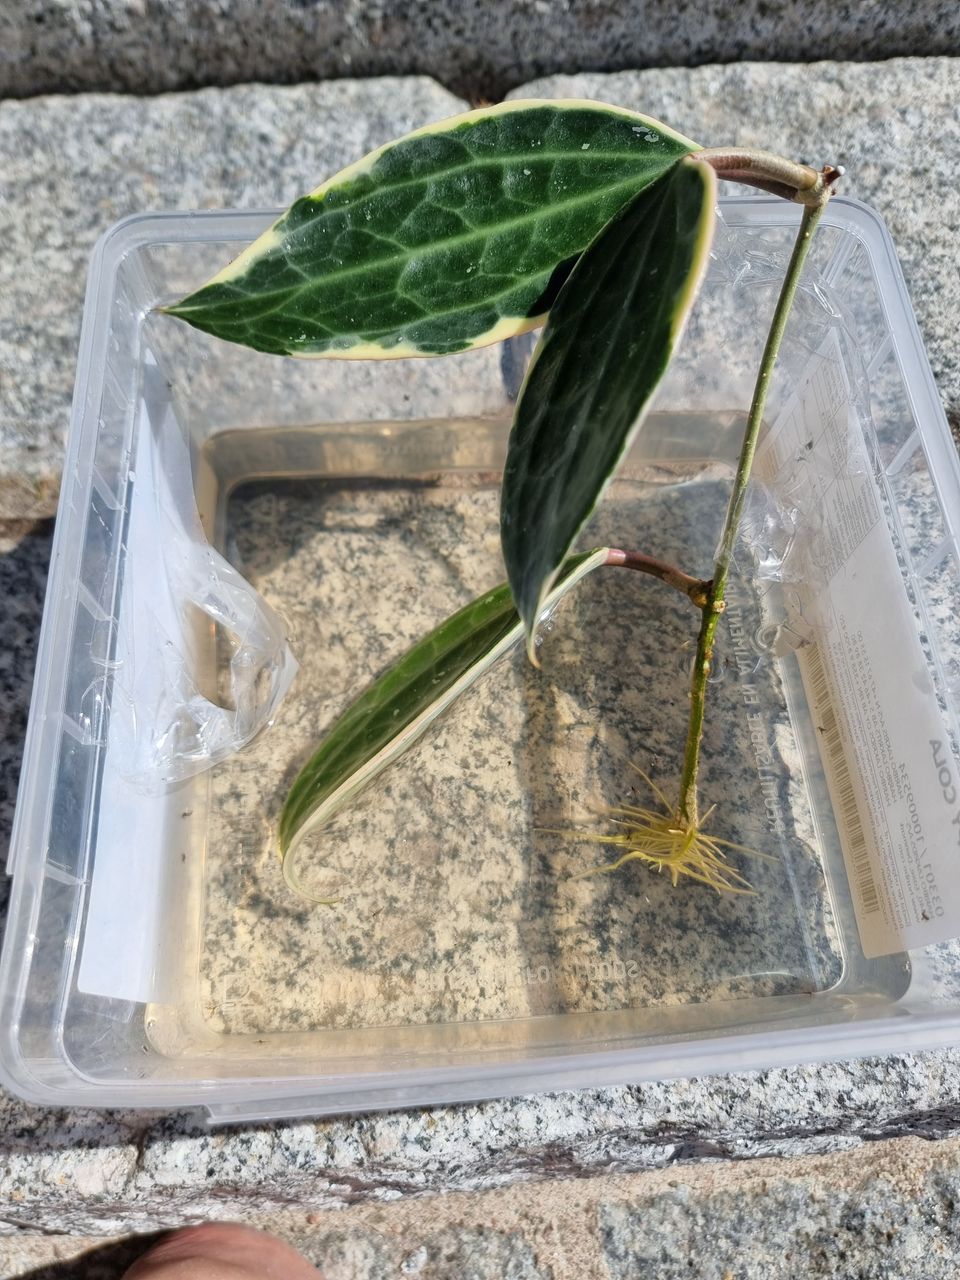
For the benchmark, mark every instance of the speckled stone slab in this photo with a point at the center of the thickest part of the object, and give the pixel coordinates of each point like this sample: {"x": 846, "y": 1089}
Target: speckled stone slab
{"x": 457, "y": 902}
{"x": 478, "y": 49}
{"x": 86, "y": 1172}
{"x": 888, "y": 1212}
{"x": 71, "y": 167}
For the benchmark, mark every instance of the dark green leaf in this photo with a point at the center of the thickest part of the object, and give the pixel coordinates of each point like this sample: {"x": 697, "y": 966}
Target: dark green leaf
{"x": 605, "y": 347}
{"x": 395, "y": 710}
{"x": 446, "y": 239}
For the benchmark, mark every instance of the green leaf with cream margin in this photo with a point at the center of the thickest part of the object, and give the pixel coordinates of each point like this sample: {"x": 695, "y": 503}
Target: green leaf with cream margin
{"x": 606, "y": 345}
{"x": 455, "y": 236}
{"x": 392, "y": 713}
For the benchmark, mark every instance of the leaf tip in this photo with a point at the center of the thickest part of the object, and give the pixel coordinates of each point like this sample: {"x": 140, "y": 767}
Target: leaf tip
{"x": 535, "y": 619}
{"x": 291, "y": 876}
{"x": 533, "y": 648}
{"x": 177, "y": 309}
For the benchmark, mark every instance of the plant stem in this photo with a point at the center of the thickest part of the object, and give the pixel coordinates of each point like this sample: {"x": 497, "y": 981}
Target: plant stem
{"x": 770, "y": 172}
{"x": 712, "y": 610}
{"x": 696, "y": 588}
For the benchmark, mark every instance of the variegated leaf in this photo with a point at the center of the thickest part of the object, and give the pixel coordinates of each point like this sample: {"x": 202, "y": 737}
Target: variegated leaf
{"x": 455, "y": 236}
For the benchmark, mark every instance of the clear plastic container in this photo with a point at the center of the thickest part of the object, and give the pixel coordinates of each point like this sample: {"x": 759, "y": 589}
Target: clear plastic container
{"x": 153, "y": 955}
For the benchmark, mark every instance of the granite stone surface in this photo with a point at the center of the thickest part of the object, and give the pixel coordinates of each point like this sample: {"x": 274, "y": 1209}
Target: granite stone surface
{"x": 84, "y": 1172}
{"x": 891, "y": 1215}
{"x": 478, "y": 48}
{"x": 457, "y": 904}
{"x": 71, "y": 167}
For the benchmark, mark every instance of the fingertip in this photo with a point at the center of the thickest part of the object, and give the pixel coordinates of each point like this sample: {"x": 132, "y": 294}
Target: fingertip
{"x": 222, "y": 1251}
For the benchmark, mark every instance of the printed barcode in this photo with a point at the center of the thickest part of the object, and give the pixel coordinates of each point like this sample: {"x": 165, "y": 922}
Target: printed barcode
{"x": 846, "y": 809}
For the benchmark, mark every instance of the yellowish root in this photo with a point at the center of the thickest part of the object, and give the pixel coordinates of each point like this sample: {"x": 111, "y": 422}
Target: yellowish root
{"x": 666, "y": 842}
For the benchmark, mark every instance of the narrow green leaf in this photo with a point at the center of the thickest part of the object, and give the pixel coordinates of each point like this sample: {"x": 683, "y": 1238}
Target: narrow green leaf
{"x": 396, "y": 709}
{"x": 605, "y": 347}
{"x": 455, "y": 236}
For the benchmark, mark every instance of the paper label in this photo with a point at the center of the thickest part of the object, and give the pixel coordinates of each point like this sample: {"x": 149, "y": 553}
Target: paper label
{"x": 892, "y": 777}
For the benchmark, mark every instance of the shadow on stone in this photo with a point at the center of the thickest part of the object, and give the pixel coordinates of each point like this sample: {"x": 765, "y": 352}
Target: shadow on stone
{"x": 479, "y": 50}
{"x": 107, "y": 1262}
{"x": 24, "y": 557}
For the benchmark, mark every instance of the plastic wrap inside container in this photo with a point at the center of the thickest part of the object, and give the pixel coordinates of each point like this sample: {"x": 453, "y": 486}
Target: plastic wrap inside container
{"x": 173, "y": 712}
